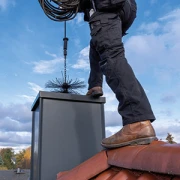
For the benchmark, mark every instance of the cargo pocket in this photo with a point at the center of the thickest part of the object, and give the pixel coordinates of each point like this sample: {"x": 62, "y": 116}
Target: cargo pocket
{"x": 115, "y": 31}
{"x": 95, "y": 28}
{"x": 97, "y": 35}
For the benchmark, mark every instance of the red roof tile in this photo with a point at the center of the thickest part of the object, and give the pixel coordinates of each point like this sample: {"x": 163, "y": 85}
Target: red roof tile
{"x": 157, "y": 157}
{"x": 87, "y": 169}
{"x": 106, "y": 175}
{"x": 156, "y": 161}
{"x": 123, "y": 175}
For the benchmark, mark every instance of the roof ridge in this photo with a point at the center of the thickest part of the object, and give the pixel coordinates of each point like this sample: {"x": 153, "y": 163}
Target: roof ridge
{"x": 152, "y": 158}
{"x": 157, "y": 160}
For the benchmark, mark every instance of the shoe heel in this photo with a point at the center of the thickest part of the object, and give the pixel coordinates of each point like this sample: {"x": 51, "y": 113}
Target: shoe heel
{"x": 144, "y": 141}
{"x": 96, "y": 94}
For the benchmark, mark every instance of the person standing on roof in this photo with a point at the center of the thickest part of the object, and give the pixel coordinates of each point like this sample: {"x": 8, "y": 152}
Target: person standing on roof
{"x": 109, "y": 21}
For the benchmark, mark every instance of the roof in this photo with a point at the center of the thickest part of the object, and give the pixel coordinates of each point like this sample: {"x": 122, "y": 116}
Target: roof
{"x": 156, "y": 161}
{"x": 12, "y": 175}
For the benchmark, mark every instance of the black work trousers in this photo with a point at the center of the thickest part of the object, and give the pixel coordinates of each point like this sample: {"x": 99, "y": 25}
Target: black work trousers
{"x": 107, "y": 58}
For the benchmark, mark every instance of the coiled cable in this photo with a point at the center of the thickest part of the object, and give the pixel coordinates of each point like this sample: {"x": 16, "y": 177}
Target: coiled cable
{"x": 60, "y": 10}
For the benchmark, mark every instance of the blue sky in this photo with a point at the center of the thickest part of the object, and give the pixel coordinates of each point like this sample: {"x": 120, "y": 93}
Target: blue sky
{"x": 31, "y": 53}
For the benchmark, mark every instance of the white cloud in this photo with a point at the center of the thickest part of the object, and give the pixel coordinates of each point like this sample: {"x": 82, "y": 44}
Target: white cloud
{"x": 5, "y": 3}
{"x": 112, "y": 130}
{"x": 110, "y": 96}
{"x": 171, "y": 15}
{"x": 83, "y": 60}
{"x": 80, "y": 18}
{"x": 81, "y": 64}
{"x": 85, "y": 52}
{"x": 47, "y": 66}
{"x": 167, "y": 125}
{"x": 156, "y": 45}
{"x": 27, "y": 98}
{"x": 77, "y": 20}
{"x": 111, "y": 101}
{"x": 108, "y": 133}
{"x": 36, "y": 88}
{"x": 50, "y": 54}
{"x": 162, "y": 127}
{"x": 150, "y": 27}
{"x": 18, "y": 112}
{"x": 112, "y": 119}
{"x": 14, "y": 138}
{"x": 15, "y": 125}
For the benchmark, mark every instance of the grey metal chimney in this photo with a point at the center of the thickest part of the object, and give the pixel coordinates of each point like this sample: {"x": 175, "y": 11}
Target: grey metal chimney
{"x": 66, "y": 130}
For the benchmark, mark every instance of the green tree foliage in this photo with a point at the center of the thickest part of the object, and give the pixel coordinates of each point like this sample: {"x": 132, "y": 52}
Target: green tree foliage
{"x": 23, "y": 158}
{"x": 2, "y": 167}
{"x": 20, "y": 159}
{"x": 7, "y": 154}
{"x": 27, "y": 158}
{"x": 170, "y": 138}
{"x": 1, "y": 161}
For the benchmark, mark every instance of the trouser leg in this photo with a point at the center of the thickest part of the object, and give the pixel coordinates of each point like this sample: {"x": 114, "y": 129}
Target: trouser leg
{"x": 95, "y": 76}
{"x": 106, "y": 35}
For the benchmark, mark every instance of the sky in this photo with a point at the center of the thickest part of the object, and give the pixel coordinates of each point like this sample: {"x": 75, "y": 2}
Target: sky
{"x": 31, "y": 53}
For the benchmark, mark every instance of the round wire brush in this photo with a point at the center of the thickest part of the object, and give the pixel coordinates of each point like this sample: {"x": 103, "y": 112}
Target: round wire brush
{"x": 70, "y": 86}
{"x": 65, "y": 85}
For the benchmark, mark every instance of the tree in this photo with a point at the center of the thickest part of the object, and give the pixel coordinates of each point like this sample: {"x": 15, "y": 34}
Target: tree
{"x": 7, "y": 154}
{"x": 170, "y": 138}
{"x": 23, "y": 158}
{"x": 1, "y": 161}
{"x": 20, "y": 159}
{"x": 27, "y": 158}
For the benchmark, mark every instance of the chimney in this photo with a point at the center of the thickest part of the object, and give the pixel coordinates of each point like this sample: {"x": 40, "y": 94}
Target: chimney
{"x": 67, "y": 129}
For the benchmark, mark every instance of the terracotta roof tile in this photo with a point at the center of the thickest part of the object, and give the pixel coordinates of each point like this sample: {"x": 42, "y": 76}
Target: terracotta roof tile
{"x": 147, "y": 176}
{"x": 127, "y": 174}
{"x": 106, "y": 175}
{"x": 176, "y": 178}
{"x": 124, "y": 175}
{"x": 157, "y": 161}
{"x": 60, "y": 174}
{"x": 87, "y": 169}
{"x": 157, "y": 157}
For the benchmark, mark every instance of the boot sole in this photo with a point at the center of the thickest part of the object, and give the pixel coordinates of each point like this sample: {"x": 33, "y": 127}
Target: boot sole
{"x": 141, "y": 141}
{"x": 96, "y": 94}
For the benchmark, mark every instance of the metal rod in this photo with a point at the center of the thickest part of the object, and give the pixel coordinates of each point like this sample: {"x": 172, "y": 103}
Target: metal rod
{"x": 65, "y": 39}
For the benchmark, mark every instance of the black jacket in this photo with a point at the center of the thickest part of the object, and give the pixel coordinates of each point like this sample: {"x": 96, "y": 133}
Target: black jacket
{"x": 103, "y": 6}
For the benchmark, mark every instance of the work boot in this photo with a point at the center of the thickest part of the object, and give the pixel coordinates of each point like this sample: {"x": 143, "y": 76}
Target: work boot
{"x": 131, "y": 134}
{"x": 95, "y": 92}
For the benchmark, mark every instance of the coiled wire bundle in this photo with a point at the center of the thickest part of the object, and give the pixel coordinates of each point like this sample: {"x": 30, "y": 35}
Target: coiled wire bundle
{"x": 60, "y": 10}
